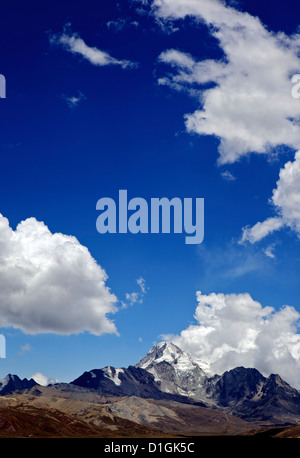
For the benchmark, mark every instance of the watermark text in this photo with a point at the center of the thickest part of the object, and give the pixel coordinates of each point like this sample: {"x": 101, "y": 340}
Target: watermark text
{"x": 296, "y": 87}
{"x": 2, "y": 346}
{"x": 2, "y": 87}
{"x": 162, "y": 215}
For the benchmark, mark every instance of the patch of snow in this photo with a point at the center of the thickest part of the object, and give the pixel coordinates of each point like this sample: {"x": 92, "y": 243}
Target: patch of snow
{"x": 153, "y": 372}
{"x": 113, "y": 374}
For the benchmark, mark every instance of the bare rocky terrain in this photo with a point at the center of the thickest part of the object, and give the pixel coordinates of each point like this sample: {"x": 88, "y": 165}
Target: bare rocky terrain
{"x": 49, "y": 412}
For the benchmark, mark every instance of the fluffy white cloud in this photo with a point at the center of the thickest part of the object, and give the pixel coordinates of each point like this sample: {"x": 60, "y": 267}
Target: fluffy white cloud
{"x": 286, "y": 197}
{"x": 250, "y": 107}
{"x": 74, "y": 44}
{"x": 286, "y": 201}
{"x": 50, "y": 282}
{"x": 248, "y": 104}
{"x": 234, "y": 330}
{"x": 42, "y": 379}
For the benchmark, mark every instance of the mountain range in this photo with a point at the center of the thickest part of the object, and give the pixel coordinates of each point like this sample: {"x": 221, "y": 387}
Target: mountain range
{"x": 166, "y": 392}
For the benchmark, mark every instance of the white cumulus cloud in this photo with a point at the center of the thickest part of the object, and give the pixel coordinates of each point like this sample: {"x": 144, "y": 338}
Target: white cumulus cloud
{"x": 235, "y": 330}
{"x": 249, "y": 105}
{"x": 49, "y": 282}
{"x": 286, "y": 202}
{"x": 245, "y": 96}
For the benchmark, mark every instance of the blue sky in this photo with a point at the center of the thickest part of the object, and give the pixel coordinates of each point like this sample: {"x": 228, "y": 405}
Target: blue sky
{"x": 97, "y": 101}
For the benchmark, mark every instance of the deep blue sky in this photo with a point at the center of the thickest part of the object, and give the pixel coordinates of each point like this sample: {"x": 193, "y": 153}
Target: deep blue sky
{"x": 127, "y": 133}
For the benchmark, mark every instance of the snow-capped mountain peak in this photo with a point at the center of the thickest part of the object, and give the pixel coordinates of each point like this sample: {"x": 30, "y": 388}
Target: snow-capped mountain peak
{"x": 174, "y": 370}
{"x": 169, "y": 353}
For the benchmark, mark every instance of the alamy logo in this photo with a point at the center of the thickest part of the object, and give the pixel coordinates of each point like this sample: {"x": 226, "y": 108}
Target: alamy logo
{"x": 2, "y": 87}
{"x": 136, "y": 217}
{"x": 296, "y": 87}
{"x": 2, "y": 346}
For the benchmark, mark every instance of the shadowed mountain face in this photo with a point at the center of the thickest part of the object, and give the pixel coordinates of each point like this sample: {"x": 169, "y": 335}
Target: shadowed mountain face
{"x": 236, "y": 385}
{"x": 118, "y": 382}
{"x": 271, "y": 399}
{"x": 132, "y": 381}
{"x": 12, "y": 383}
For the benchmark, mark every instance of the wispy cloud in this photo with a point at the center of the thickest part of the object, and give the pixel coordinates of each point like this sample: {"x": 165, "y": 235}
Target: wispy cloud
{"x": 73, "y": 43}
{"x": 24, "y": 348}
{"x": 232, "y": 261}
{"x": 121, "y": 23}
{"x": 261, "y": 229}
{"x": 73, "y": 101}
{"x": 269, "y": 251}
{"x": 228, "y": 176}
{"x": 137, "y": 296}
